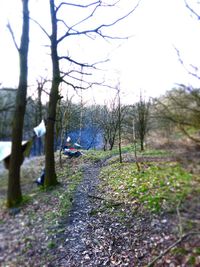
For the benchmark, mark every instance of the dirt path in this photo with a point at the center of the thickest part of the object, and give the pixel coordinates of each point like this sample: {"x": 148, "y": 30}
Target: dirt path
{"x": 96, "y": 233}
{"x": 100, "y": 233}
{"x": 72, "y": 251}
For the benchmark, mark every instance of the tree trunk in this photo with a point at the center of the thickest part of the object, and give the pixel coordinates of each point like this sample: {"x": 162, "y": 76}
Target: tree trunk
{"x": 142, "y": 144}
{"x": 50, "y": 173}
{"x": 119, "y": 126}
{"x": 14, "y": 195}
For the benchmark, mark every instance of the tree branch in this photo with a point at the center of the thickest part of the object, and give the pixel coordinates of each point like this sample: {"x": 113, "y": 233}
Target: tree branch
{"x": 151, "y": 264}
{"x": 12, "y": 35}
{"x": 83, "y": 65}
{"x": 76, "y": 62}
{"x": 89, "y": 16}
{"x": 7, "y": 108}
{"x": 196, "y": 140}
{"x": 188, "y": 71}
{"x": 41, "y": 27}
{"x": 98, "y": 29}
{"x": 64, "y": 74}
{"x": 76, "y": 87}
{"x": 192, "y": 10}
{"x": 76, "y": 5}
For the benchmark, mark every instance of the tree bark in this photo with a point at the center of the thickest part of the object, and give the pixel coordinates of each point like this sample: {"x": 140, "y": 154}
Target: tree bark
{"x": 50, "y": 173}
{"x": 14, "y": 194}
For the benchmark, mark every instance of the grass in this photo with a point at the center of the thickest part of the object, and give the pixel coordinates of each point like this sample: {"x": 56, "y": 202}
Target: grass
{"x": 155, "y": 153}
{"x": 63, "y": 196}
{"x": 153, "y": 187}
{"x": 67, "y": 196}
{"x": 158, "y": 186}
{"x": 98, "y": 155}
{"x": 53, "y": 204}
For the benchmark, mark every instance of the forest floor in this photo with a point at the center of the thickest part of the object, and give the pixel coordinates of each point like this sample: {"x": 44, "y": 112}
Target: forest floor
{"x": 93, "y": 229}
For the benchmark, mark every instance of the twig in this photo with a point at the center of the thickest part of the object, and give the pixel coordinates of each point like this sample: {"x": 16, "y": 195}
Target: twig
{"x": 12, "y": 35}
{"x": 151, "y": 264}
{"x": 179, "y": 219}
{"x": 101, "y": 198}
{"x": 58, "y": 259}
{"x": 114, "y": 204}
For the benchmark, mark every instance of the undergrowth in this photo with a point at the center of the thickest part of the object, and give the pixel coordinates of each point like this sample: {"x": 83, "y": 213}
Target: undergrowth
{"x": 157, "y": 186}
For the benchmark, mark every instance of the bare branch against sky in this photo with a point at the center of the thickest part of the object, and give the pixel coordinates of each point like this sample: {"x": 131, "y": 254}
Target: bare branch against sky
{"x": 148, "y": 61}
{"x": 192, "y": 10}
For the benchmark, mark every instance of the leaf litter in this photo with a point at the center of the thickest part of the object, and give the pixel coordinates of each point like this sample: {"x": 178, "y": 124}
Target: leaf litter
{"x": 98, "y": 231}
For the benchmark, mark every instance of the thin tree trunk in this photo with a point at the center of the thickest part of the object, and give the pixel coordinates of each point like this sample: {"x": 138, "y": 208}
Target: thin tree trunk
{"x": 14, "y": 195}
{"x": 50, "y": 173}
{"x": 142, "y": 145}
{"x": 120, "y": 129}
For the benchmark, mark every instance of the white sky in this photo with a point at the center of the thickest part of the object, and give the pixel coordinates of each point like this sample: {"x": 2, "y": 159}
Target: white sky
{"x": 146, "y": 62}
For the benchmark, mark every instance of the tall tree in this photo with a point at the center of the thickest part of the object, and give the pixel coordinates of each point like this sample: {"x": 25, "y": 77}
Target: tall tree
{"x": 119, "y": 124}
{"x": 50, "y": 174}
{"x": 78, "y": 69}
{"x": 14, "y": 195}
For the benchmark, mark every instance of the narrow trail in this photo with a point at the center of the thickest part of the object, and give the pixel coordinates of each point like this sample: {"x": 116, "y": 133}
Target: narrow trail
{"x": 72, "y": 251}
{"x": 111, "y": 237}
{"x": 95, "y": 233}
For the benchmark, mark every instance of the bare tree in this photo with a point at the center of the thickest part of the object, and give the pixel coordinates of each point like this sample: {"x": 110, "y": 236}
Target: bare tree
{"x": 141, "y": 117}
{"x": 41, "y": 82}
{"x": 181, "y": 106}
{"x": 120, "y": 117}
{"x": 109, "y": 123}
{"x": 110, "y": 119}
{"x": 39, "y": 112}
{"x": 77, "y": 69}
{"x": 65, "y": 112}
{"x": 14, "y": 195}
{"x": 7, "y": 106}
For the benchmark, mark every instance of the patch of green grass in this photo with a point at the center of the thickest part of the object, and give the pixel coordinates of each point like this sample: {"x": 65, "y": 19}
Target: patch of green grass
{"x": 51, "y": 245}
{"x": 25, "y": 199}
{"x": 98, "y": 155}
{"x": 179, "y": 251}
{"x": 155, "y": 153}
{"x": 64, "y": 197}
{"x": 197, "y": 250}
{"x": 67, "y": 197}
{"x": 159, "y": 186}
{"x": 3, "y": 181}
{"x": 191, "y": 261}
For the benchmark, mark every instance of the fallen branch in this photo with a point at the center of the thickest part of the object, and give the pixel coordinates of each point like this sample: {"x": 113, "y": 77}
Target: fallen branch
{"x": 180, "y": 226}
{"x": 151, "y": 264}
{"x": 101, "y": 198}
{"x": 114, "y": 204}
